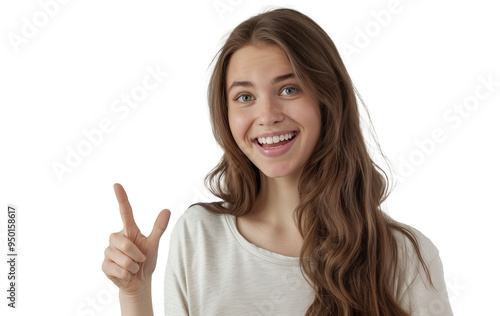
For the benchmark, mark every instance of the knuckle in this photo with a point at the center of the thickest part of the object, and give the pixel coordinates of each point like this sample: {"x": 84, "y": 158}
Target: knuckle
{"x": 112, "y": 237}
{"x": 110, "y": 253}
{"x": 105, "y": 267}
{"x": 106, "y": 252}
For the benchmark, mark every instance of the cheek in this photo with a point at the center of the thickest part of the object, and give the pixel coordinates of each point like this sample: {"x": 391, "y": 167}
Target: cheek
{"x": 237, "y": 124}
{"x": 310, "y": 118}
{"x": 311, "y": 121}
{"x": 315, "y": 120}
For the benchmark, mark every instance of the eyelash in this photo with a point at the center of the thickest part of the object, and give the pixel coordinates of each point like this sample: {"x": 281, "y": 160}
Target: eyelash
{"x": 245, "y": 94}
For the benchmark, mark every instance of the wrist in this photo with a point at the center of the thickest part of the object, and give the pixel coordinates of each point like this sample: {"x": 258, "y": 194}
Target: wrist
{"x": 137, "y": 294}
{"x": 137, "y": 302}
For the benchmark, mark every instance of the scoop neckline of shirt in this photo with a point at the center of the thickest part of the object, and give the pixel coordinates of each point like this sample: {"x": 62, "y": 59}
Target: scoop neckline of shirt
{"x": 256, "y": 250}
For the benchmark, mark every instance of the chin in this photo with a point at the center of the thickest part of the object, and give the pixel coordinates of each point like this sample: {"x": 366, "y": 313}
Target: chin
{"x": 276, "y": 172}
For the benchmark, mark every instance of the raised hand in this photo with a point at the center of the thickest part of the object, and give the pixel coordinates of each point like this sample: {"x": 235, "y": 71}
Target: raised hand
{"x": 130, "y": 258}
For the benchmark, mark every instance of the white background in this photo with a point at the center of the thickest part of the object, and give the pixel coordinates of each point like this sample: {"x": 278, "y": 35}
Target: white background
{"x": 413, "y": 68}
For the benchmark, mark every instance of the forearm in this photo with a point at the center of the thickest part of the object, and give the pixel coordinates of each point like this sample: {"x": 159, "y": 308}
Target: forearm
{"x": 138, "y": 304}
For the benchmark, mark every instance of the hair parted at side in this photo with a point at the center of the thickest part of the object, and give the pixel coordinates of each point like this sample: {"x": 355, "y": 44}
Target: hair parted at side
{"x": 349, "y": 252}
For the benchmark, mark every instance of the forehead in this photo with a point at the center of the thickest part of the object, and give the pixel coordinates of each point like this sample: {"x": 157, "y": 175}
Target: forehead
{"x": 255, "y": 63}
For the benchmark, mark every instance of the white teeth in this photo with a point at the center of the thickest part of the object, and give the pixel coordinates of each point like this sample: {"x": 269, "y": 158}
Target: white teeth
{"x": 275, "y": 139}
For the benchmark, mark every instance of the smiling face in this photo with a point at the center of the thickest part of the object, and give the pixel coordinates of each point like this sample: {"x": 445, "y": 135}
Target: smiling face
{"x": 273, "y": 121}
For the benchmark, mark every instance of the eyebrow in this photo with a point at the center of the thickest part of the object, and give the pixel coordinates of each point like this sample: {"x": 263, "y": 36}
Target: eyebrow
{"x": 249, "y": 84}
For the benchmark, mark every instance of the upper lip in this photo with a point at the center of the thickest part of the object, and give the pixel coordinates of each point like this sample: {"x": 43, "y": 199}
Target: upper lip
{"x": 278, "y": 133}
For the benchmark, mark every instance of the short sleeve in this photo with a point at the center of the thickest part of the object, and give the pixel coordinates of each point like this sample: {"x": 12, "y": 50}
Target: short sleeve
{"x": 419, "y": 297}
{"x": 429, "y": 301}
{"x": 175, "y": 280}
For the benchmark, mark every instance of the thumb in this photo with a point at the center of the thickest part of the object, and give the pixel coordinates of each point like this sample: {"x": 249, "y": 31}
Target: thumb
{"x": 160, "y": 225}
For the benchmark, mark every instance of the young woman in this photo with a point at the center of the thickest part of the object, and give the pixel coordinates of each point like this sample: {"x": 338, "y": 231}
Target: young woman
{"x": 299, "y": 230}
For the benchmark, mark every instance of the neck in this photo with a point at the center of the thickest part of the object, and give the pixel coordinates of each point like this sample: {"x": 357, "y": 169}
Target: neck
{"x": 277, "y": 200}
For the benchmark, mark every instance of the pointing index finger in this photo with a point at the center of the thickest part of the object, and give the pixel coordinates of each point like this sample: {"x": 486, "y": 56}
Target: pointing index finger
{"x": 125, "y": 208}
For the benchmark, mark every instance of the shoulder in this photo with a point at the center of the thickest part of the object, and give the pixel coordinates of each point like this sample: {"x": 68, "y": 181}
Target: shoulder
{"x": 197, "y": 214}
{"x": 197, "y": 221}
{"x": 428, "y": 249}
{"x": 410, "y": 267}
{"x": 413, "y": 289}
{"x": 412, "y": 278}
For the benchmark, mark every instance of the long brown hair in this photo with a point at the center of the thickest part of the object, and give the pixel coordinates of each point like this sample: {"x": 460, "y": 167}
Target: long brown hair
{"x": 349, "y": 251}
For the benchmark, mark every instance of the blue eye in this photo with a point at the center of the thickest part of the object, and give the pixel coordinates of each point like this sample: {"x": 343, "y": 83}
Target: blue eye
{"x": 289, "y": 91}
{"x": 245, "y": 98}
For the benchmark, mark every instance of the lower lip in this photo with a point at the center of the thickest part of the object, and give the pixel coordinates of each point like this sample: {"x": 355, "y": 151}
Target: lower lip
{"x": 276, "y": 151}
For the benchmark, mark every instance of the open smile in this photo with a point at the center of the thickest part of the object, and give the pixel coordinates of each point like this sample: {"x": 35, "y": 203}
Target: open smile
{"x": 277, "y": 145}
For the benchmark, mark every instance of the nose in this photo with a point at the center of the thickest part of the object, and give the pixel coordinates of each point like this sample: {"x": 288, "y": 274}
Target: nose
{"x": 269, "y": 112}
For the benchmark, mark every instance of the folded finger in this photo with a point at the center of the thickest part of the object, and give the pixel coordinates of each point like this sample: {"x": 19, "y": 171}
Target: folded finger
{"x": 125, "y": 245}
{"x": 114, "y": 271}
{"x": 122, "y": 260}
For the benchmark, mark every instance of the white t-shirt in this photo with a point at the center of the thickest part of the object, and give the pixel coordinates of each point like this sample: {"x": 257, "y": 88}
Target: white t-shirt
{"x": 213, "y": 270}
